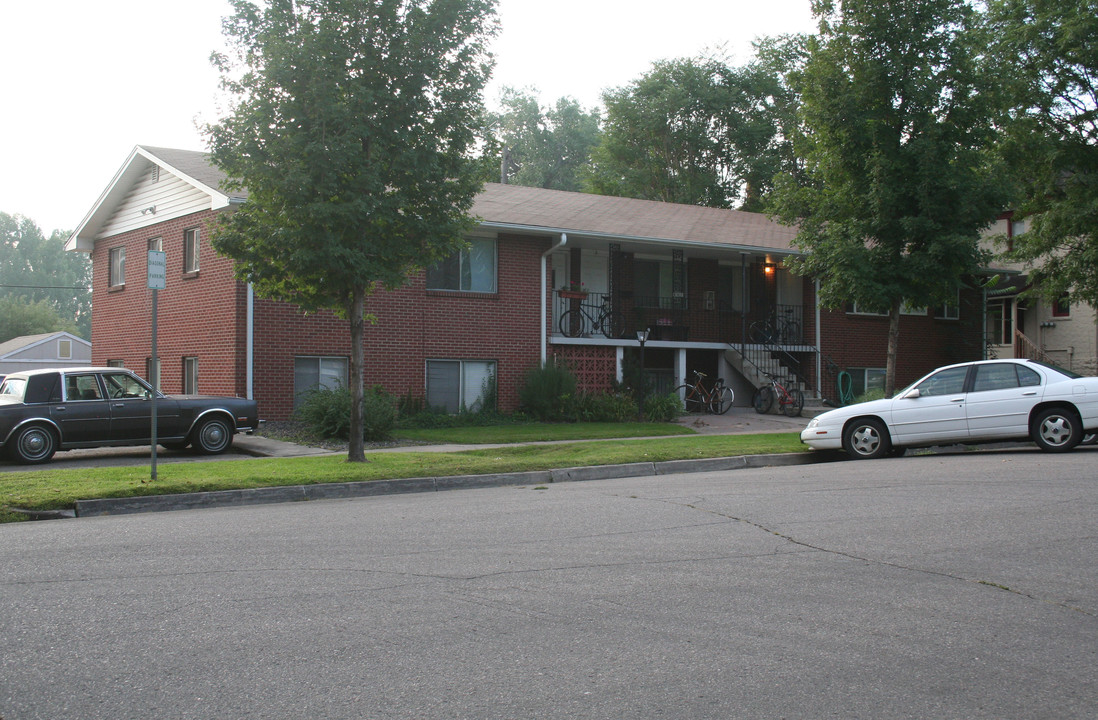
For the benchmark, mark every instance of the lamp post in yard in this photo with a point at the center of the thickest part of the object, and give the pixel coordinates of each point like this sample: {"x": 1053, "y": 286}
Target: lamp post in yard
{"x": 642, "y": 381}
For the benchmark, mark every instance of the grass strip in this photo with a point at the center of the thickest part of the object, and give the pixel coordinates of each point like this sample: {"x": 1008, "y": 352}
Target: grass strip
{"x": 540, "y": 432}
{"x": 52, "y": 489}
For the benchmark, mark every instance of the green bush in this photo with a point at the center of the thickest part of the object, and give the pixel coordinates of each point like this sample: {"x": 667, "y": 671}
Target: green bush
{"x": 548, "y": 391}
{"x": 603, "y": 407}
{"x": 327, "y": 412}
{"x": 663, "y": 408}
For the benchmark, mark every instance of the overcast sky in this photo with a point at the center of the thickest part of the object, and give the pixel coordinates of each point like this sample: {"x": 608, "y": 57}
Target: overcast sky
{"x": 83, "y": 82}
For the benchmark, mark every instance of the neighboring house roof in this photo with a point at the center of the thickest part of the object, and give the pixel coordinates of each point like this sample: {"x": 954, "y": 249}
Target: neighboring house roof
{"x": 41, "y": 351}
{"x": 499, "y": 207}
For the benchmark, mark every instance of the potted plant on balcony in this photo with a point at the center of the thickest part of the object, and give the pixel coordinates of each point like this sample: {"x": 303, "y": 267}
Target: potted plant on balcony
{"x": 574, "y": 290}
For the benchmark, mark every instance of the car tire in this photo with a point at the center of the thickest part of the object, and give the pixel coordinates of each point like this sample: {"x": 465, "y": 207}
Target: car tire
{"x": 212, "y": 436}
{"x": 1057, "y": 430}
{"x": 32, "y": 445}
{"x": 867, "y": 439}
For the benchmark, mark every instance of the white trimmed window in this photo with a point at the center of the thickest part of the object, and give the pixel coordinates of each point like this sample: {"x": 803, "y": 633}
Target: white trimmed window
{"x": 116, "y": 272}
{"x": 190, "y": 250}
{"x": 190, "y": 376}
{"x": 456, "y": 384}
{"x": 64, "y": 349}
{"x": 315, "y": 371}
{"x": 472, "y": 269}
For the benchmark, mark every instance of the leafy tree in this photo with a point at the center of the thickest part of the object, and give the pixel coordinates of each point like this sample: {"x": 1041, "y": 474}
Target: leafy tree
{"x": 543, "y": 147}
{"x": 697, "y": 131}
{"x": 898, "y": 181}
{"x": 34, "y": 269}
{"x": 1047, "y": 51}
{"x": 351, "y": 128}
{"x": 19, "y": 317}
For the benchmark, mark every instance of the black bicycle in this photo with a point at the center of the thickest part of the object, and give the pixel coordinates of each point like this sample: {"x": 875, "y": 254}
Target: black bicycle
{"x": 698, "y": 398}
{"x": 585, "y": 320}
{"x": 776, "y": 330}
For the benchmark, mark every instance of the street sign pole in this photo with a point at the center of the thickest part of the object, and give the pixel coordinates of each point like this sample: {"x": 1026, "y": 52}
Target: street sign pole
{"x": 157, "y": 276}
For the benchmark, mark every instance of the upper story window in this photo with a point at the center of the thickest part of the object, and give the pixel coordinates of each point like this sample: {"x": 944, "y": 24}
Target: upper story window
{"x": 472, "y": 269}
{"x": 1061, "y": 308}
{"x": 190, "y": 250}
{"x": 156, "y": 244}
{"x": 64, "y": 349}
{"x": 116, "y": 273}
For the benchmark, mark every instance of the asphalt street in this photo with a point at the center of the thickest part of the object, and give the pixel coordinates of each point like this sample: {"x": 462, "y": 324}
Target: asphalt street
{"x": 938, "y": 586}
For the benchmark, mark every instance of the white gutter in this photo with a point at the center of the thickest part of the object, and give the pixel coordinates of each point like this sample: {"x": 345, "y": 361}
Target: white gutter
{"x": 541, "y": 303}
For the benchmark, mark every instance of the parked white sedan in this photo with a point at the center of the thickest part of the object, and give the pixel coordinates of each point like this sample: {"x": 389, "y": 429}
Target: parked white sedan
{"x": 989, "y": 400}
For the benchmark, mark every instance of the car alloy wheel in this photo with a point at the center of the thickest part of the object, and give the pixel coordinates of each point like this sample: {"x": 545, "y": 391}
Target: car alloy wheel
{"x": 867, "y": 439}
{"x": 1057, "y": 430}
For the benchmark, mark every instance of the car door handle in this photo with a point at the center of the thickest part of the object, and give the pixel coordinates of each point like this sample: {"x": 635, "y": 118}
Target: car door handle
{"x": 958, "y": 400}
{"x": 1029, "y": 392}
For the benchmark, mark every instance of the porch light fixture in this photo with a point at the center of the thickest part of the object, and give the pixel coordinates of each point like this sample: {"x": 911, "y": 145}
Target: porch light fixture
{"x": 150, "y": 210}
{"x": 769, "y": 268}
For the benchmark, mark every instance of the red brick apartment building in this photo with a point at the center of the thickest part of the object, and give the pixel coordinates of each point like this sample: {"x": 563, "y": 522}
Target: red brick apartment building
{"x": 709, "y": 285}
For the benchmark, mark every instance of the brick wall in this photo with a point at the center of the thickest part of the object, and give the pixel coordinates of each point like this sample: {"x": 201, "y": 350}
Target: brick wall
{"x": 198, "y": 314}
{"x": 413, "y": 325}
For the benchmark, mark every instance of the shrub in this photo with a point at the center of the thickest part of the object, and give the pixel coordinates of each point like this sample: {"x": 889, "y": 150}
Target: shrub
{"x": 547, "y": 391}
{"x": 663, "y": 408}
{"x": 327, "y": 412}
{"x": 604, "y": 407}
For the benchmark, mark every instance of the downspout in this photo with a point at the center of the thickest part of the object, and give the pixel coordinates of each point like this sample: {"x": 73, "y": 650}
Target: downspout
{"x": 249, "y": 360}
{"x": 541, "y": 304}
{"x": 819, "y": 346}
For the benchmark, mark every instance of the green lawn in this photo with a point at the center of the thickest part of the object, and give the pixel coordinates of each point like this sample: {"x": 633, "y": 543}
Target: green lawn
{"x": 540, "y": 432}
{"x": 52, "y": 489}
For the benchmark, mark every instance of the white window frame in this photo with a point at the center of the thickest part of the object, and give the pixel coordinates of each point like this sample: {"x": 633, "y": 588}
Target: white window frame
{"x": 469, "y": 393}
{"x": 159, "y": 372}
{"x": 190, "y": 375}
{"x": 464, "y": 260}
{"x": 191, "y": 240}
{"x": 64, "y": 349}
{"x": 116, "y": 266}
{"x": 336, "y": 374}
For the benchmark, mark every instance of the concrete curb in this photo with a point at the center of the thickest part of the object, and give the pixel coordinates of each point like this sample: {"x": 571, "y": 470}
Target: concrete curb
{"x": 335, "y": 491}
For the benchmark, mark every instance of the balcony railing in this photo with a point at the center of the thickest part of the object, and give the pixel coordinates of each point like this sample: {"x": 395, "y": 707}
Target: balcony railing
{"x": 600, "y": 316}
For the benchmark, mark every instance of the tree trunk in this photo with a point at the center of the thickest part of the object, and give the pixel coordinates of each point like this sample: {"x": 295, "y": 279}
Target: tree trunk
{"x": 893, "y": 347}
{"x": 356, "y": 451}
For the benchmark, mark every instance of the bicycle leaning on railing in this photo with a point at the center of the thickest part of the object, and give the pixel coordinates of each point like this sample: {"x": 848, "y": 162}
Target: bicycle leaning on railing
{"x": 580, "y": 321}
{"x": 791, "y": 402}
{"x": 698, "y": 398}
{"x": 776, "y": 330}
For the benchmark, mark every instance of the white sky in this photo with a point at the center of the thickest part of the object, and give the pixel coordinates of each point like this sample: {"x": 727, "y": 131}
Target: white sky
{"x": 83, "y": 82}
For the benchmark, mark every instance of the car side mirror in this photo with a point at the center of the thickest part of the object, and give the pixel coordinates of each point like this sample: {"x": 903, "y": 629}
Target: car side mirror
{"x": 911, "y": 394}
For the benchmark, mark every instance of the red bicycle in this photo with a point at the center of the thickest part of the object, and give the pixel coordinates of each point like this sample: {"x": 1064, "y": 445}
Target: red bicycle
{"x": 791, "y": 402}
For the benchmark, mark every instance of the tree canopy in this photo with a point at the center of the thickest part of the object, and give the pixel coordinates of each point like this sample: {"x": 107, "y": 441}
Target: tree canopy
{"x": 697, "y": 131}
{"x": 1047, "y": 54}
{"x": 47, "y": 288}
{"x": 546, "y": 147}
{"x": 898, "y": 179}
{"x": 351, "y": 127}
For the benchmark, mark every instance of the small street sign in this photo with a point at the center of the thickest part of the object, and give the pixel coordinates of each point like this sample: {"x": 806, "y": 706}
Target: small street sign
{"x": 158, "y": 270}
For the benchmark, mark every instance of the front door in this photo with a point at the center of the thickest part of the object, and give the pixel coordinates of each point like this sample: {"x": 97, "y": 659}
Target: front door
{"x": 938, "y": 413}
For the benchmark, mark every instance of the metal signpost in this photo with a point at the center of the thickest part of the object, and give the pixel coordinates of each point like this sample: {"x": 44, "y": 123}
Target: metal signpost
{"x": 157, "y": 276}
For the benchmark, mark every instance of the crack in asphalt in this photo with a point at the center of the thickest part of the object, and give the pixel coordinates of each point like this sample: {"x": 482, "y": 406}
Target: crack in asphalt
{"x": 875, "y": 561}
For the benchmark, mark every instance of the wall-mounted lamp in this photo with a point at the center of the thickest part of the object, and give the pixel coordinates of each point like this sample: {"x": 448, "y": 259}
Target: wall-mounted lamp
{"x": 150, "y": 210}
{"x": 768, "y": 268}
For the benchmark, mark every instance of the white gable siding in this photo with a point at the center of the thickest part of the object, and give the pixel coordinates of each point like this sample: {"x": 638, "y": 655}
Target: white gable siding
{"x": 171, "y": 196}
